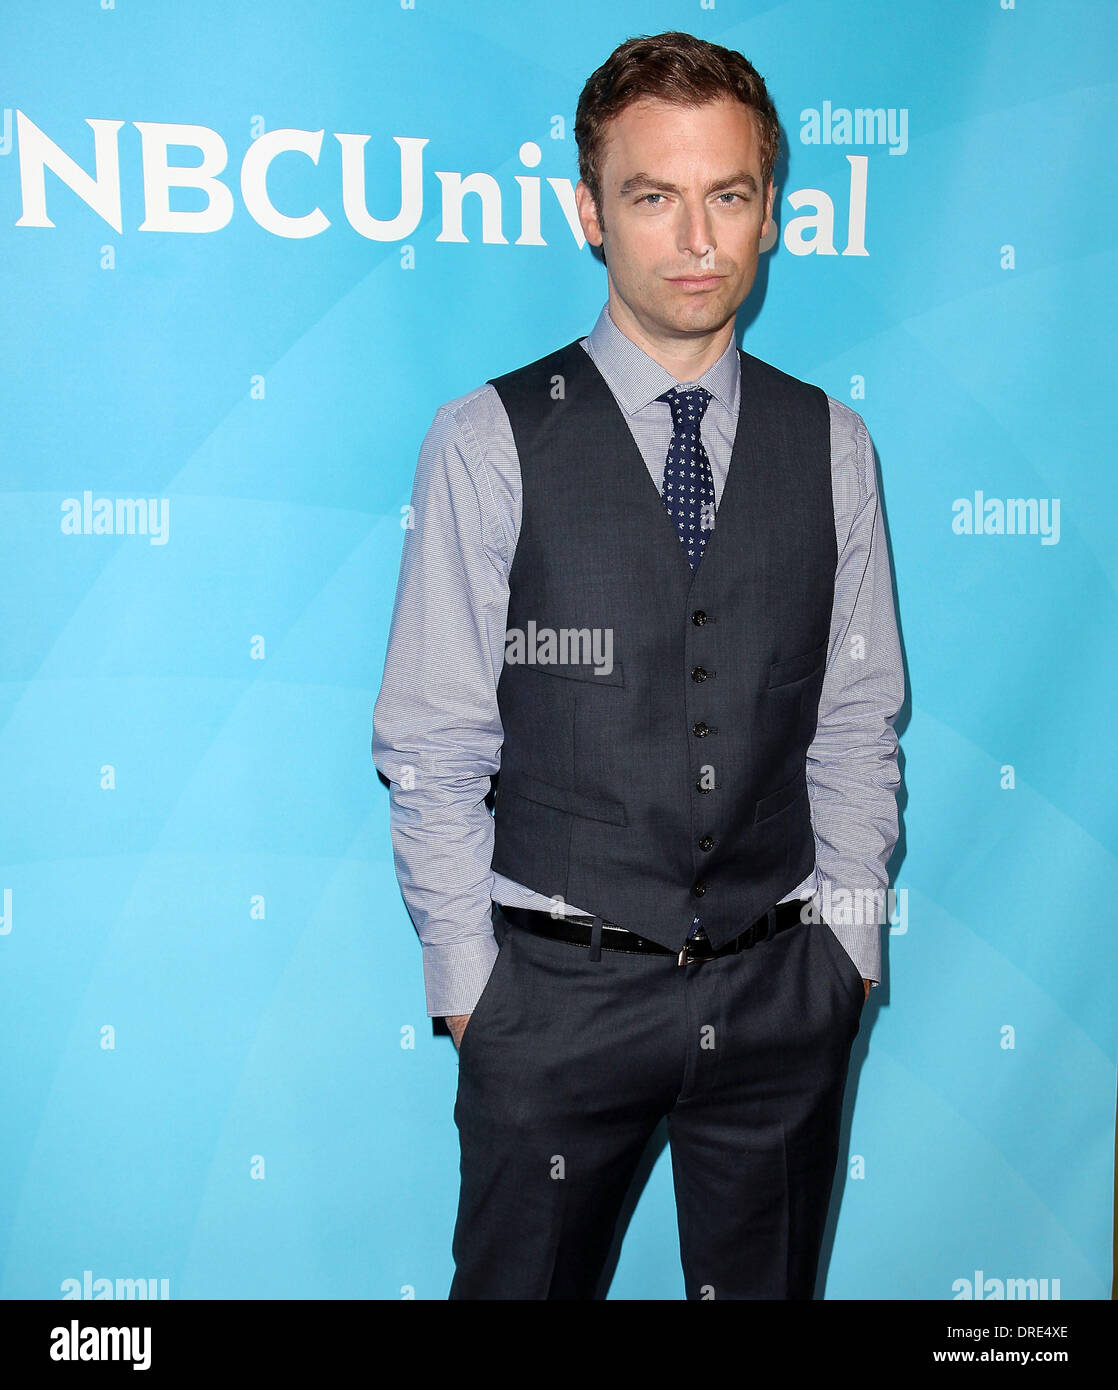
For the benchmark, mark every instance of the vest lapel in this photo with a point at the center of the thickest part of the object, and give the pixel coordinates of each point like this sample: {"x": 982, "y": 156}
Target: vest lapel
{"x": 599, "y": 393}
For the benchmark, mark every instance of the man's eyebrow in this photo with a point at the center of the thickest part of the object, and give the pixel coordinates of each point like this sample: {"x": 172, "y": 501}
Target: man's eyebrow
{"x": 739, "y": 178}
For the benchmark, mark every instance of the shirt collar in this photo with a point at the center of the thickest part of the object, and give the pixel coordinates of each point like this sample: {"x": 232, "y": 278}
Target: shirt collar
{"x": 637, "y": 379}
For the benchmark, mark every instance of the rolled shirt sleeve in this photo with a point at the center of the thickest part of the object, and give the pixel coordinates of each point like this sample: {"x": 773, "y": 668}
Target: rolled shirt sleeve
{"x": 436, "y": 727}
{"x": 852, "y": 766}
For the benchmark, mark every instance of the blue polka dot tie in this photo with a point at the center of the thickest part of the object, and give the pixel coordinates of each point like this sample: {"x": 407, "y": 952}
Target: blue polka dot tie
{"x": 689, "y": 485}
{"x": 688, "y": 490}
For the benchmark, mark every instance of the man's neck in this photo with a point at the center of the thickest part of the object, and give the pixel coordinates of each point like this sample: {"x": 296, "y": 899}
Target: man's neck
{"x": 686, "y": 358}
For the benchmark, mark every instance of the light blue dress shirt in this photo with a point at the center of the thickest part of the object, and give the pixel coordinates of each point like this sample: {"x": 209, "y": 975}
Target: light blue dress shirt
{"x": 437, "y": 731}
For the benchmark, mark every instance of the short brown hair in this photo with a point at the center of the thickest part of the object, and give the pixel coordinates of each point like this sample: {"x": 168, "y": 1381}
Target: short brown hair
{"x": 677, "y": 68}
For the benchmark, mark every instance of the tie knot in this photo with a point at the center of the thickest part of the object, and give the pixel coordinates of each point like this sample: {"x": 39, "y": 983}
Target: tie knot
{"x": 688, "y": 407}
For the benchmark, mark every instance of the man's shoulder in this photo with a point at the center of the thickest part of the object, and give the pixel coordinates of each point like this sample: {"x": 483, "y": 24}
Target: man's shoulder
{"x": 482, "y": 403}
{"x": 475, "y": 413}
{"x": 541, "y": 367}
{"x": 765, "y": 376}
{"x": 844, "y": 420}
{"x": 465, "y": 403}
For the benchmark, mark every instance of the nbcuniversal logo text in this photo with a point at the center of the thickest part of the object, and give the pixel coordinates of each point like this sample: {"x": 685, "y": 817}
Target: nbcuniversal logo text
{"x": 810, "y": 233}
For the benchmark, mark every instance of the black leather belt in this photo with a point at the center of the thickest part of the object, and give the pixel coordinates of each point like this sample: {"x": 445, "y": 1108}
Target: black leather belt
{"x": 577, "y": 930}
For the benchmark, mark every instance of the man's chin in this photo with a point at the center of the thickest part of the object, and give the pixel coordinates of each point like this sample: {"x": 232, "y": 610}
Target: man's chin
{"x": 700, "y": 316}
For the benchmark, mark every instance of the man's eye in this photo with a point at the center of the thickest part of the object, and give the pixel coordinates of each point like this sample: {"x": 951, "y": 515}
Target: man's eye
{"x": 651, "y": 195}
{"x": 740, "y": 197}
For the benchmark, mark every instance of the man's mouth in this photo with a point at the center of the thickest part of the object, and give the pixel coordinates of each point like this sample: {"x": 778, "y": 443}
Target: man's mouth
{"x": 696, "y": 282}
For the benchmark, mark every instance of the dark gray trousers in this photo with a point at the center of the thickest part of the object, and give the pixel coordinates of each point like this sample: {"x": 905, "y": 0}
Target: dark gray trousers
{"x": 568, "y": 1065}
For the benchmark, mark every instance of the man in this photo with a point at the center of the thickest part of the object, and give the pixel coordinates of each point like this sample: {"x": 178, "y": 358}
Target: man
{"x": 689, "y": 695}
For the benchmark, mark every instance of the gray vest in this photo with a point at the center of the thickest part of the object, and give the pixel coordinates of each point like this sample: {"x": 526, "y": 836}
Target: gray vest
{"x": 676, "y": 782}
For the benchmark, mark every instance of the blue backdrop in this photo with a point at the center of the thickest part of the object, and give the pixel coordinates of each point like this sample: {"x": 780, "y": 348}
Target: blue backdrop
{"x": 218, "y": 1071}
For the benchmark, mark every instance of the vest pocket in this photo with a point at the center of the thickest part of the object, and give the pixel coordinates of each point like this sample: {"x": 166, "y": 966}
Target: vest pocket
{"x": 795, "y": 668}
{"x": 574, "y": 671}
{"x": 561, "y": 798}
{"x": 781, "y": 799}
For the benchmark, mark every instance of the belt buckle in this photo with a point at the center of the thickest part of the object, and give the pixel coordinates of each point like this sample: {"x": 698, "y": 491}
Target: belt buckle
{"x": 685, "y": 957}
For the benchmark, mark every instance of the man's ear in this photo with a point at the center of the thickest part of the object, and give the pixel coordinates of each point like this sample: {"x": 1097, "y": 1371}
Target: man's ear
{"x": 588, "y": 214}
{"x": 766, "y": 225}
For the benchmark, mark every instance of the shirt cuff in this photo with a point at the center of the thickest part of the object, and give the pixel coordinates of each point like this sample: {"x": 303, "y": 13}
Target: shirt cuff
{"x": 455, "y": 974}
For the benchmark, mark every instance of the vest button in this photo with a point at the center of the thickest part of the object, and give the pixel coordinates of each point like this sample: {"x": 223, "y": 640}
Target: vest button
{"x": 706, "y": 842}
{"x": 701, "y": 729}
{"x": 699, "y": 889}
{"x": 698, "y": 673}
{"x": 698, "y": 617}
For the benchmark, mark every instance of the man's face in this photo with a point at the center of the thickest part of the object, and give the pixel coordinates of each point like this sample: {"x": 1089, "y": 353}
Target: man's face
{"x": 683, "y": 213}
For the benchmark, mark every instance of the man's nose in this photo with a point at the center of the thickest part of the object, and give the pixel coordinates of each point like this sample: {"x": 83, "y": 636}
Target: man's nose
{"x": 697, "y": 235}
